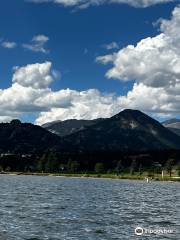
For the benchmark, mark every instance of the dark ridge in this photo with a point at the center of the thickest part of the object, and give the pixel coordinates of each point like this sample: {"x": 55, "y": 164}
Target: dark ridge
{"x": 126, "y": 131}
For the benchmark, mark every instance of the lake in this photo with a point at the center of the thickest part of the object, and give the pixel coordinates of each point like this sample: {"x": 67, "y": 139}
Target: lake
{"x": 40, "y": 208}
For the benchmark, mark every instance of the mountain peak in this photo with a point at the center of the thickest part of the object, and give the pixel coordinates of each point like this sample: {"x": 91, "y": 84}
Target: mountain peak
{"x": 129, "y": 115}
{"x": 15, "y": 122}
{"x": 130, "y": 130}
{"x": 129, "y": 112}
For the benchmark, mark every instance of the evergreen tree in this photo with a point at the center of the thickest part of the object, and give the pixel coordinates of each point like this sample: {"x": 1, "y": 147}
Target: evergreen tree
{"x": 99, "y": 168}
{"x": 73, "y": 166}
{"x": 42, "y": 162}
{"x": 51, "y": 163}
{"x": 48, "y": 162}
{"x": 169, "y": 166}
{"x": 133, "y": 167}
{"x": 140, "y": 169}
{"x": 119, "y": 167}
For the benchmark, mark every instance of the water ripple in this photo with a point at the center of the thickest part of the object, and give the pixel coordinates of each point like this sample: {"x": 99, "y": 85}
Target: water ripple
{"x": 40, "y": 208}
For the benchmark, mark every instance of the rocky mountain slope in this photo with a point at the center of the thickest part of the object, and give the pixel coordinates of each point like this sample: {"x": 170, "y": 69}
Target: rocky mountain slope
{"x": 129, "y": 130}
{"x": 173, "y": 125}
{"x": 25, "y": 138}
{"x": 67, "y": 127}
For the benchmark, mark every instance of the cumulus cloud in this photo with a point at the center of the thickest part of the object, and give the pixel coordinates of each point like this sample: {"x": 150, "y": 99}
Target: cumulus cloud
{"x": 30, "y": 94}
{"x": 93, "y": 104}
{"x": 86, "y": 3}
{"x": 88, "y": 104}
{"x": 33, "y": 75}
{"x": 37, "y": 44}
{"x": 8, "y": 44}
{"x": 156, "y": 101}
{"x": 154, "y": 64}
{"x": 153, "y": 61}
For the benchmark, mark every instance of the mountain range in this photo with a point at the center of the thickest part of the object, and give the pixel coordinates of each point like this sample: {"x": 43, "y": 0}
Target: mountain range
{"x": 20, "y": 137}
{"x": 173, "y": 125}
{"x": 67, "y": 127}
{"x": 130, "y": 130}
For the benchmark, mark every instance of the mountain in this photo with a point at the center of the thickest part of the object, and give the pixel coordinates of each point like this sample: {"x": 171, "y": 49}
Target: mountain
{"x": 129, "y": 130}
{"x": 170, "y": 121}
{"x": 25, "y": 138}
{"x": 67, "y": 127}
{"x": 173, "y": 125}
{"x": 175, "y": 130}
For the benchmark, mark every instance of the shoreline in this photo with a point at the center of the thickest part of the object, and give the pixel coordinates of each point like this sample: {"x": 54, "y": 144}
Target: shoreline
{"x": 95, "y": 176}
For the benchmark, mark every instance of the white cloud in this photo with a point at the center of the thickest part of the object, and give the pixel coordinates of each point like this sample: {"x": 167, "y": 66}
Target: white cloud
{"x": 88, "y": 104}
{"x": 106, "y": 59}
{"x": 153, "y": 61}
{"x": 56, "y": 74}
{"x": 110, "y": 46}
{"x": 93, "y": 104}
{"x": 9, "y": 45}
{"x": 152, "y": 100}
{"x": 86, "y": 3}
{"x": 37, "y": 44}
{"x": 40, "y": 39}
{"x": 5, "y": 118}
{"x": 31, "y": 93}
{"x": 33, "y": 75}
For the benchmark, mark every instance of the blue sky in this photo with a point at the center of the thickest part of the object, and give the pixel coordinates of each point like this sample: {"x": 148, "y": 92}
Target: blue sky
{"x": 75, "y": 39}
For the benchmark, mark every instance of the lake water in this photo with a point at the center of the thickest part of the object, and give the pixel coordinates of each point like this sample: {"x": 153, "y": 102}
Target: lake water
{"x": 39, "y": 208}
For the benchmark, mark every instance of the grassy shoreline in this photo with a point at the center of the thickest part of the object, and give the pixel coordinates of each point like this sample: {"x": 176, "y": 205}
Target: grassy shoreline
{"x": 97, "y": 176}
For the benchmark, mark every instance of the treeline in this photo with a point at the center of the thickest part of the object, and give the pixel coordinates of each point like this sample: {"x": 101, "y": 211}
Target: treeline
{"x": 104, "y": 162}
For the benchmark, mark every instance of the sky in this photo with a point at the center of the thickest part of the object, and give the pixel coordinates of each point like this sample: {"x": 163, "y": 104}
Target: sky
{"x": 85, "y": 59}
